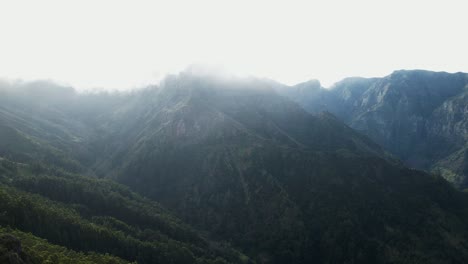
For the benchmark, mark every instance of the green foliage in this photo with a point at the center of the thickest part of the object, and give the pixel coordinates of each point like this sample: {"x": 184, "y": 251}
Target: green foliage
{"x": 235, "y": 160}
{"x": 87, "y": 214}
{"x": 37, "y": 250}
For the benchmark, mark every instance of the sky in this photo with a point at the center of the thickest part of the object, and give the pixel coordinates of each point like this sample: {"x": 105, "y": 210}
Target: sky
{"x": 114, "y": 44}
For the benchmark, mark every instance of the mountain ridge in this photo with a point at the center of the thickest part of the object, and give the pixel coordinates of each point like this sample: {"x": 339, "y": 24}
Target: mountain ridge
{"x": 238, "y": 161}
{"x": 419, "y": 116}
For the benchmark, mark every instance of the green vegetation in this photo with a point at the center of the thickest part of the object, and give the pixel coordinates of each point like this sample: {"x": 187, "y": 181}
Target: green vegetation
{"x": 233, "y": 161}
{"x": 21, "y": 247}
{"x": 419, "y": 116}
{"x": 86, "y": 214}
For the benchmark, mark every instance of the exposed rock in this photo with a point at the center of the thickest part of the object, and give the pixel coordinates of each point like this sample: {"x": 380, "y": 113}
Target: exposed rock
{"x": 420, "y": 116}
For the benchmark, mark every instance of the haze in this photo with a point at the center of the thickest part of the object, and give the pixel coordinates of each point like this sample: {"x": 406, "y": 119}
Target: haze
{"x": 126, "y": 44}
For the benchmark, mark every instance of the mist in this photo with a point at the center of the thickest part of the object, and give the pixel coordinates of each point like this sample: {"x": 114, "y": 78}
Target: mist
{"x": 123, "y": 45}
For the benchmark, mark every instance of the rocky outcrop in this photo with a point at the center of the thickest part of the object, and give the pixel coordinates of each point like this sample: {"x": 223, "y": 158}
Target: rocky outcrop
{"x": 420, "y": 116}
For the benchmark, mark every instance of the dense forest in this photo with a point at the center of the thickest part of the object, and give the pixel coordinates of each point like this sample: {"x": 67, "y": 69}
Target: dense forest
{"x": 21, "y": 247}
{"x": 92, "y": 215}
{"x": 205, "y": 170}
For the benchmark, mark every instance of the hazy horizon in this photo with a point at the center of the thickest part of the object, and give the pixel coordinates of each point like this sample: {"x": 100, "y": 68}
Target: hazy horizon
{"x": 233, "y": 132}
{"x": 200, "y": 70}
{"x": 122, "y": 44}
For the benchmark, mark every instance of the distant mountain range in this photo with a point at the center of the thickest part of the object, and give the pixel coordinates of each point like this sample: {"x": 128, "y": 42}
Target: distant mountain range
{"x": 234, "y": 172}
{"x": 419, "y": 116}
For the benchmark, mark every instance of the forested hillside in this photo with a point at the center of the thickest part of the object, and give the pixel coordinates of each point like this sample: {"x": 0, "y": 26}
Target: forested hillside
{"x": 252, "y": 176}
{"x": 92, "y": 215}
{"x": 25, "y": 248}
{"x": 419, "y": 116}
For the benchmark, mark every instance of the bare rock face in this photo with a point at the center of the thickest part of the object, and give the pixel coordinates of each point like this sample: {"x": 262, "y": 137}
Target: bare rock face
{"x": 450, "y": 119}
{"x": 246, "y": 165}
{"x": 449, "y": 123}
{"x": 420, "y": 116}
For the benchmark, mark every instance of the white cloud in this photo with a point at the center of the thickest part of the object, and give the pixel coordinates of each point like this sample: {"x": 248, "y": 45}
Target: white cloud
{"x": 122, "y": 44}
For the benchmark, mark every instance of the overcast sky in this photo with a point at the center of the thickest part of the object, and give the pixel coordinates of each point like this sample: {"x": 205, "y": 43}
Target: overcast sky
{"x": 125, "y": 44}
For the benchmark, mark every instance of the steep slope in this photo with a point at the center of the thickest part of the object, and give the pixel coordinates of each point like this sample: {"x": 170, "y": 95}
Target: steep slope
{"x": 90, "y": 215}
{"x": 35, "y": 126}
{"x": 419, "y": 116}
{"x": 48, "y": 130}
{"x": 45, "y": 122}
{"x": 17, "y": 247}
{"x": 233, "y": 158}
{"x": 236, "y": 159}
{"x": 449, "y": 126}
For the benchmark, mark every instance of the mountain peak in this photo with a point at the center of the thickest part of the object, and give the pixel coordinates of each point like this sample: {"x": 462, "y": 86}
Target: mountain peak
{"x": 310, "y": 84}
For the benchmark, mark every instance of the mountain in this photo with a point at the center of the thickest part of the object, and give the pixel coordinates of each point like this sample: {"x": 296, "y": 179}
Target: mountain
{"x": 91, "y": 215}
{"x": 214, "y": 151}
{"x": 233, "y": 160}
{"x": 47, "y": 150}
{"x": 419, "y": 116}
{"x": 236, "y": 159}
{"x": 24, "y": 248}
